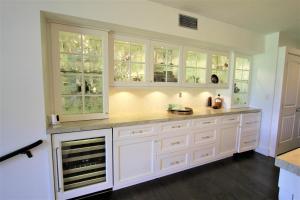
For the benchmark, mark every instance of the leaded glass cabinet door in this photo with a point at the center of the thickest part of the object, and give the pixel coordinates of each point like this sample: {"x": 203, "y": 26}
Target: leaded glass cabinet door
{"x": 241, "y": 81}
{"x": 220, "y": 68}
{"x": 166, "y": 61}
{"x": 129, "y": 60}
{"x": 195, "y": 67}
{"x": 80, "y": 76}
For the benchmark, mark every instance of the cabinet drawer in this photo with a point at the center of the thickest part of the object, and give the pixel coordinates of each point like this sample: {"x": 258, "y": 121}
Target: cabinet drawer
{"x": 249, "y": 141}
{"x": 250, "y": 119}
{"x": 229, "y": 119}
{"x": 204, "y": 136}
{"x": 205, "y": 122}
{"x": 174, "y": 126}
{"x": 250, "y": 130}
{"x": 203, "y": 154}
{"x": 174, "y": 143}
{"x": 133, "y": 131}
{"x": 173, "y": 161}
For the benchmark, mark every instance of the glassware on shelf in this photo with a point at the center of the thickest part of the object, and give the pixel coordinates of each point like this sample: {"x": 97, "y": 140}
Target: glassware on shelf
{"x": 71, "y": 84}
{"x": 121, "y": 71}
{"x": 195, "y": 67}
{"x": 70, "y": 42}
{"x": 92, "y": 45}
{"x": 137, "y": 53}
{"x": 159, "y": 55}
{"x": 137, "y": 72}
{"x": 93, "y": 104}
{"x": 92, "y": 64}
{"x": 70, "y": 63}
{"x": 93, "y": 84}
{"x": 121, "y": 51}
{"x": 71, "y": 105}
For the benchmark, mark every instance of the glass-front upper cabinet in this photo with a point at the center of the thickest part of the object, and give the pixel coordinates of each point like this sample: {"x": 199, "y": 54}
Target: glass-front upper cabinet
{"x": 195, "y": 67}
{"x": 219, "y": 69}
{"x": 165, "y": 63}
{"x": 129, "y": 60}
{"x": 79, "y": 61}
{"x": 241, "y": 81}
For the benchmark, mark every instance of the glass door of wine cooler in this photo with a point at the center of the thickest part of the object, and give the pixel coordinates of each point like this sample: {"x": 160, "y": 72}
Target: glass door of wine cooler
{"x": 83, "y": 162}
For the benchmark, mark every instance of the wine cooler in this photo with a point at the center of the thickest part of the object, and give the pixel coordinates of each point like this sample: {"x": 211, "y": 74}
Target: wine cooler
{"x": 82, "y": 162}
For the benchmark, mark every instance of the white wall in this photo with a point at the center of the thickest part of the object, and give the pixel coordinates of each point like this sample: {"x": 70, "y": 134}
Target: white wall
{"x": 22, "y": 100}
{"x": 289, "y": 40}
{"x": 263, "y": 87}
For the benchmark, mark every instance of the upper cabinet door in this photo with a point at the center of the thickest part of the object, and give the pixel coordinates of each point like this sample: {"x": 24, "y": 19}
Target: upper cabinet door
{"x": 195, "y": 67}
{"x": 219, "y": 69}
{"x": 79, "y": 66}
{"x": 130, "y": 60}
{"x": 241, "y": 81}
{"x": 166, "y": 63}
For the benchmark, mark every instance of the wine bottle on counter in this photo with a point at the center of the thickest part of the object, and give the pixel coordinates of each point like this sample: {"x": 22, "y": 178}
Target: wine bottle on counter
{"x": 209, "y": 102}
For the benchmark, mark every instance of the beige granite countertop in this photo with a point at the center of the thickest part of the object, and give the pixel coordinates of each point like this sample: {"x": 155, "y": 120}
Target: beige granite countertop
{"x": 141, "y": 118}
{"x": 289, "y": 161}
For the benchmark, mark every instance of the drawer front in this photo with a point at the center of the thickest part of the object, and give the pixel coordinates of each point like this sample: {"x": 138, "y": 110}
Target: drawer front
{"x": 174, "y": 143}
{"x": 229, "y": 119}
{"x": 203, "y": 154}
{"x": 205, "y": 122}
{"x": 134, "y": 131}
{"x": 248, "y": 142}
{"x": 174, "y": 126}
{"x": 204, "y": 136}
{"x": 250, "y": 130}
{"x": 173, "y": 161}
{"x": 250, "y": 119}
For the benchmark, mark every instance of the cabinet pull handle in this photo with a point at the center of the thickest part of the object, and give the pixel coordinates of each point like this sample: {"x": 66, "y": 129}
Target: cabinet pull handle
{"x": 175, "y": 143}
{"x": 207, "y": 122}
{"x": 231, "y": 119}
{"x": 204, "y": 155}
{"x": 206, "y": 137}
{"x": 178, "y": 126}
{"x": 174, "y": 163}
{"x": 247, "y": 142}
{"x": 57, "y": 169}
{"x": 135, "y": 132}
{"x": 254, "y": 122}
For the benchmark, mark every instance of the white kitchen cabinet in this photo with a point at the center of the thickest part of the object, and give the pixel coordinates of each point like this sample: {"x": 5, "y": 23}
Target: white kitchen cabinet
{"x": 249, "y": 132}
{"x": 79, "y": 67}
{"x": 220, "y": 68}
{"x": 82, "y": 162}
{"x": 228, "y": 140}
{"x": 202, "y": 154}
{"x": 134, "y": 161}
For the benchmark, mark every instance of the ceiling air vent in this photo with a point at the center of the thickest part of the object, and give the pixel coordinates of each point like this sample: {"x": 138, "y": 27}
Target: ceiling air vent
{"x": 188, "y": 22}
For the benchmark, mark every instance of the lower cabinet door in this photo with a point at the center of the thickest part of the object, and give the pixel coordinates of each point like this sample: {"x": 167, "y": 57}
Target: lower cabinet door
{"x": 134, "y": 161}
{"x": 228, "y": 140}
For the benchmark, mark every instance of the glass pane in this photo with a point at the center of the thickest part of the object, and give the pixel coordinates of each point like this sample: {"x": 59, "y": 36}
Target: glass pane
{"x": 245, "y": 75}
{"x": 201, "y": 60}
{"x": 160, "y": 73}
{"x": 70, "y": 63}
{"x": 202, "y": 76}
{"x": 240, "y": 99}
{"x": 137, "y": 72}
{"x": 137, "y": 52}
{"x": 92, "y": 45}
{"x": 238, "y": 74}
{"x": 72, "y": 105}
{"x": 159, "y": 55}
{"x": 191, "y": 59}
{"x": 190, "y": 75}
{"x": 173, "y": 56}
{"x": 92, "y": 64}
{"x": 219, "y": 62}
{"x": 93, "y": 84}
{"x": 172, "y": 74}
{"x": 121, "y": 71}
{"x": 69, "y": 42}
{"x": 121, "y": 51}
{"x": 71, "y": 84}
{"x": 93, "y": 104}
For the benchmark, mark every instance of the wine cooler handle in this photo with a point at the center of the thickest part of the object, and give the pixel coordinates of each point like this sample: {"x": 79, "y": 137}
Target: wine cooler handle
{"x": 57, "y": 169}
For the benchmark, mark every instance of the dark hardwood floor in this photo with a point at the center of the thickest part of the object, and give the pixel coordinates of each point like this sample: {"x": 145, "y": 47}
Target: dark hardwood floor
{"x": 243, "y": 177}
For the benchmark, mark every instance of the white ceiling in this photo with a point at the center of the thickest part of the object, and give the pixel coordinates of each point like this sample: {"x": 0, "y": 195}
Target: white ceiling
{"x": 263, "y": 16}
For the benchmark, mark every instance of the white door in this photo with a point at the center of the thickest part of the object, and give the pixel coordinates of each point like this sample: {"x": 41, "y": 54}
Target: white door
{"x": 289, "y": 135}
{"x": 228, "y": 140}
{"x": 134, "y": 161}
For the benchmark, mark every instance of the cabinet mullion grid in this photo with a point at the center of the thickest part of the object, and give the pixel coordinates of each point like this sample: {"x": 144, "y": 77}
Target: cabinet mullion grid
{"x": 82, "y": 75}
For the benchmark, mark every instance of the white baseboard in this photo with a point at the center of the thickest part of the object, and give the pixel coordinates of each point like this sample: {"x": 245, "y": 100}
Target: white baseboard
{"x": 263, "y": 151}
